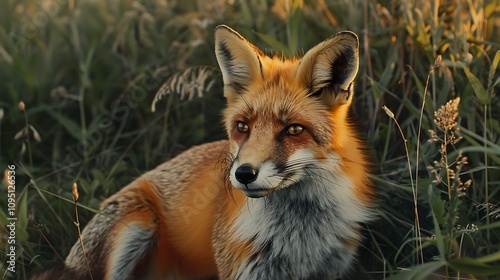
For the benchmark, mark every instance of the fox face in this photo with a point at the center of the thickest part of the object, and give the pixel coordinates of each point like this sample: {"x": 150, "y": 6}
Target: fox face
{"x": 286, "y": 119}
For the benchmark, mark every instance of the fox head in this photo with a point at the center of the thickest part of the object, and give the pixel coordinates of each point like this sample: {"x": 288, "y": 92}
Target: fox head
{"x": 286, "y": 117}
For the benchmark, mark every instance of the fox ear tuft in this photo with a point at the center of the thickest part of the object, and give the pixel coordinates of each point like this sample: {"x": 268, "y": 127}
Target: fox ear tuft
{"x": 332, "y": 64}
{"x": 238, "y": 59}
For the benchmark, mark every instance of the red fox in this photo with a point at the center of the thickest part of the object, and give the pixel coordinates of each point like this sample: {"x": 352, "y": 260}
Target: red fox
{"x": 284, "y": 197}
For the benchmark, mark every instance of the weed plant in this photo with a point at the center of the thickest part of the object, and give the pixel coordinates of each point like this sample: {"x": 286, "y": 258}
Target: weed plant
{"x": 98, "y": 92}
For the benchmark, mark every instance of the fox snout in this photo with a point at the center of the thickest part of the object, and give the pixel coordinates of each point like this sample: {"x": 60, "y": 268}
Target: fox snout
{"x": 246, "y": 173}
{"x": 254, "y": 181}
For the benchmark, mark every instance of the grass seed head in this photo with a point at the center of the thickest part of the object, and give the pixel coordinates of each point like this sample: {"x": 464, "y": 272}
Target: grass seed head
{"x": 21, "y": 106}
{"x": 446, "y": 116}
{"x": 75, "y": 192}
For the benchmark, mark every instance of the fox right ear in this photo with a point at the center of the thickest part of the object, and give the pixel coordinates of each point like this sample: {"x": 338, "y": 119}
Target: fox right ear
{"x": 238, "y": 59}
{"x": 329, "y": 68}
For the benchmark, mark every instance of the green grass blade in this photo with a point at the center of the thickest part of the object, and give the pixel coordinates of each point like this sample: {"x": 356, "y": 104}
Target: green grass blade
{"x": 479, "y": 90}
{"x": 489, "y": 226}
{"x": 490, "y": 258}
{"x": 437, "y": 207}
{"x": 71, "y": 126}
{"x": 474, "y": 266}
{"x": 494, "y": 64}
{"x": 22, "y": 216}
{"x": 418, "y": 272}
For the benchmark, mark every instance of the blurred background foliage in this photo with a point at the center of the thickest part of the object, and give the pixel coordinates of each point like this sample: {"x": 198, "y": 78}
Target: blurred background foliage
{"x": 110, "y": 89}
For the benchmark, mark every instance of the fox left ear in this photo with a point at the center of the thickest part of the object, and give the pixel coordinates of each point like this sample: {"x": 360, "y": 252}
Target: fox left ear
{"x": 238, "y": 59}
{"x": 329, "y": 68}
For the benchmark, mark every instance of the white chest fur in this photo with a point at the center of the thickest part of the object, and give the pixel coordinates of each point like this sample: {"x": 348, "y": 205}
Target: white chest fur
{"x": 300, "y": 231}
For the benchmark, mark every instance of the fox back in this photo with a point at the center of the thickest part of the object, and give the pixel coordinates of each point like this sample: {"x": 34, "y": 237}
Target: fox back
{"x": 283, "y": 198}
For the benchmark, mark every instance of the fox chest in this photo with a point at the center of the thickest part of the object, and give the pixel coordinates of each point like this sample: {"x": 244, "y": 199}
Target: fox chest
{"x": 295, "y": 238}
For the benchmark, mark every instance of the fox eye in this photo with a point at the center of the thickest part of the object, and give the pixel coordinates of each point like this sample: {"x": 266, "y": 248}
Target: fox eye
{"x": 242, "y": 127}
{"x": 294, "y": 129}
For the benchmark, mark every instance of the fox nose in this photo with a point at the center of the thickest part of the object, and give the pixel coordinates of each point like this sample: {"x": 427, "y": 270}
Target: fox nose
{"x": 246, "y": 174}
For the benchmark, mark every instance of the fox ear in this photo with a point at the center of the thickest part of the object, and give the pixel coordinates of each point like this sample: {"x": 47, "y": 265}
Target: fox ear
{"x": 332, "y": 64}
{"x": 238, "y": 59}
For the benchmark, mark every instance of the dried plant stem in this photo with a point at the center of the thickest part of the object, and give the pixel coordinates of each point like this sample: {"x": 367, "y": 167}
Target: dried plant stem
{"x": 22, "y": 107}
{"x": 419, "y": 134}
{"x": 418, "y": 239}
{"x": 487, "y": 190}
{"x": 414, "y": 188}
{"x": 444, "y": 155}
{"x": 37, "y": 227}
{"x": 77, "y": 223}
{"x": 83, "y": 123}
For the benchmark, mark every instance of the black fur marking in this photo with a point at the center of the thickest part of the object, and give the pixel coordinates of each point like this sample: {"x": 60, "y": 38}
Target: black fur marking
{"x": 348, "y": 93}
{"x": 260, "y": 66}
{"x": 314, "y": 94}
{"x": 226, "y": 53}
{"x": 340, "y": 68}
{"x": 237, "y": 87}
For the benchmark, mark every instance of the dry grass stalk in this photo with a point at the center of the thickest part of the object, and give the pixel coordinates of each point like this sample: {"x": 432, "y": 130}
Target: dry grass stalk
{"x": 77, "y": 223}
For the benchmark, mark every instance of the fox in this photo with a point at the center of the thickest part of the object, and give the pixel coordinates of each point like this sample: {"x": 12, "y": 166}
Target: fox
{"x": 285, "y": 196}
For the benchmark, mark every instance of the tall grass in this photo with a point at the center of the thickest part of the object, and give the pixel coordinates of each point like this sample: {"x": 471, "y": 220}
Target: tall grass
{"x": 89, "y": 72}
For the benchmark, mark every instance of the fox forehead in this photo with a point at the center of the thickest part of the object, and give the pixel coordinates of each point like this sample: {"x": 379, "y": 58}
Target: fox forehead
{"x": 279, "y": 93}
{"x": 278, "y": 100}
{"x": 275, "y": 73}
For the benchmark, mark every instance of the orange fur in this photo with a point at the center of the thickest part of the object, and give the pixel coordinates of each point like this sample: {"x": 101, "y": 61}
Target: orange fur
{"x": 351, "y": 150}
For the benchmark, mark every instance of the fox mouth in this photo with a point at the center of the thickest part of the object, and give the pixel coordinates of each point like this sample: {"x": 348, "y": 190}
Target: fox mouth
{"x": 267, "y": 178}
{"x": 257, "y": 193}
{"x": 279, "y": 183}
